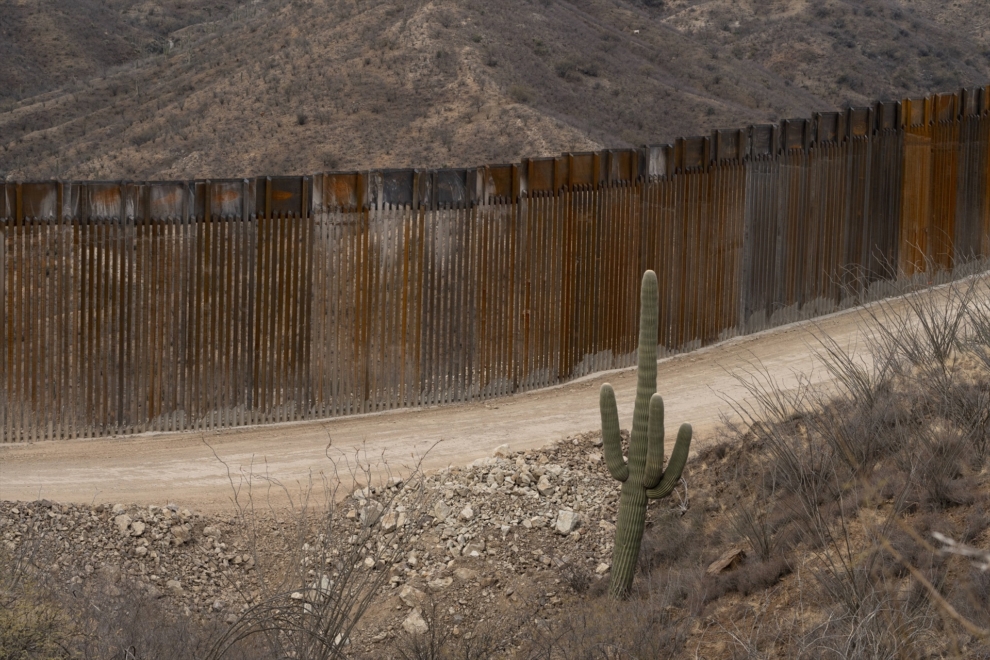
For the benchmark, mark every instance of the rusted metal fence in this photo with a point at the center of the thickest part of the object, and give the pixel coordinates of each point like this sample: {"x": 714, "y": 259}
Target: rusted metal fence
{"x": 131, "y": 307}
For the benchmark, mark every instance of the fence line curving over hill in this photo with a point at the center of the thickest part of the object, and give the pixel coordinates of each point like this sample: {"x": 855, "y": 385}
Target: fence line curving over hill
{"x": 132, "y": 307}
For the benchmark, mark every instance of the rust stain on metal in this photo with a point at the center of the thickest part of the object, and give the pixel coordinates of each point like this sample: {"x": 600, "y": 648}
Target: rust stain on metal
{"x": 206, "y": 304}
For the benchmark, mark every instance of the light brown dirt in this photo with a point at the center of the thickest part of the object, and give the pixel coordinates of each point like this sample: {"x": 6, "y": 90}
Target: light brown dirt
{"x": 182, "y": 468}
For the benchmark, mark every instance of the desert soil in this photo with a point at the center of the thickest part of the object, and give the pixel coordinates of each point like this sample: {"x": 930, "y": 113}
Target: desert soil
{"x": 181, "y": 467}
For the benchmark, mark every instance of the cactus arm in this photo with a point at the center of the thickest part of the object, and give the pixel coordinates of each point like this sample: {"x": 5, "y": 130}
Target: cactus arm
{"x": 611, "y": 441}
{"x": 676, "y": 465}
{"x": 654, "y": 444}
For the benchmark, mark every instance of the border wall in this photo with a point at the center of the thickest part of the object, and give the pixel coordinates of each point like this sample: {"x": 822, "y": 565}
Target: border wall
{"x": 168, "y": 306}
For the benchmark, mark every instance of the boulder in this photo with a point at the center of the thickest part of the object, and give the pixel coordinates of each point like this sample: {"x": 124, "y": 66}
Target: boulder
{"x": 414, "y": 624}
{"x": 544, "y": 486}
{"x": 411, "y": 596}
{"x": 123, "y": 522}
{"x": 567, "y": 521}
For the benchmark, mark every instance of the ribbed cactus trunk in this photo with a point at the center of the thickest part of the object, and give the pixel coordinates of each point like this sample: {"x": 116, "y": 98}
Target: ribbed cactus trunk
{"x": 628, "y": 537}
{"x": 643, "y": 478}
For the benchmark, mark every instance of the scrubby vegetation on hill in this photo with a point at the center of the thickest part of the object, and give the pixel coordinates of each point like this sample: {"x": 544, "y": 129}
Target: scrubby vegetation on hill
{"x": 272, "y": 87}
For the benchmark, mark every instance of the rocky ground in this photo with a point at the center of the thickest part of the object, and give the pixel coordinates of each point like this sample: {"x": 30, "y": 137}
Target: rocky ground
{"x": 516, "y": 531}
{"x": 518, "y": 545}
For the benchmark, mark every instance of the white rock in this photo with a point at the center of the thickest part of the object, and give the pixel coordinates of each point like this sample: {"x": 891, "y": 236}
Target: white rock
{"x": 544, "y": 486}
{"x": 369, "y": 562}
{"x": 502, "y": 451}
{"x": 181, "y": 534}
{"x": 390, "y": 521}
{"x": 465, "y": 574}
{"x": 412, "y": 559}
{"x": 602, "y": 568}
{"x": 442, "y": 510}
{"x": 467, "y": 513}
{"x": 414, "y": 624}
{"x": 411, "y": 596}
{"x": 567, "y": 521}
{"x": 318, "y": 589}
{"x": 440, "y": 583}
{"x": 137, "y": 528}
{"x": 123, "y": 521}
{"x": 474, "y": 549}
{"x": 371, "y": 512}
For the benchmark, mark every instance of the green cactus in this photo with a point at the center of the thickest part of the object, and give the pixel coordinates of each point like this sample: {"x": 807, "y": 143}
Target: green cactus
{"x": 643, "y": 478}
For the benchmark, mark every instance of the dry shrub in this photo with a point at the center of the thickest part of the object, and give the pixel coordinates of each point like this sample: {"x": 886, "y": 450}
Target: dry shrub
{"x": 108, "y": 616}
{"x": 649, "y": 629}
{"x": 486, "y": 638}
{"x": 318, "y": 586}
{"x": 123, "y": 620}
{"x": 31, "y": 623}
{"x": 673, "y": 539}
{"x": 577, "y": 577}
{"x": 755, "y": 521}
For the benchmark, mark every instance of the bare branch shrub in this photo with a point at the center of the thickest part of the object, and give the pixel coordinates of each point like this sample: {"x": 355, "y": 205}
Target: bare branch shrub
{"x": 334, "y": 561}
{"x": 442, "y": 642}
{"x": 650, "y": 629}
{"x": 31, "y": 625}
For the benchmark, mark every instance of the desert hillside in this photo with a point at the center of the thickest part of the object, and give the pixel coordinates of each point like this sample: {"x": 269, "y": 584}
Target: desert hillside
{"x": 112, "y": 89}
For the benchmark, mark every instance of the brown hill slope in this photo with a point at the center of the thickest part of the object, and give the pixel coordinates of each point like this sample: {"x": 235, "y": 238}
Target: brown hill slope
{"x": 45, "y": 43}
{"x": 275, "y": 87}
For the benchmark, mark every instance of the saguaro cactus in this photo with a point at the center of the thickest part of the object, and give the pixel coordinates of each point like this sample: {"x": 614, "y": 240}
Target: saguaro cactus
{"x": 643, "y": 478}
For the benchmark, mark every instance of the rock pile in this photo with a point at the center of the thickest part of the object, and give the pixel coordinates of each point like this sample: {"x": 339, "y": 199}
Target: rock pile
{"x": 512, "y": 526}
{"x": 165, "y": 550}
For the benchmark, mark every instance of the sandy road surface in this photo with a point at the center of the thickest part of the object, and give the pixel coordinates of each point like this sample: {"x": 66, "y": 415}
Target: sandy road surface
{"x": 154, "y": 468}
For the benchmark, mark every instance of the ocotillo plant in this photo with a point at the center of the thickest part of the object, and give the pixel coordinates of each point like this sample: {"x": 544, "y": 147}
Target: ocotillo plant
{"x": 643, "y": 478}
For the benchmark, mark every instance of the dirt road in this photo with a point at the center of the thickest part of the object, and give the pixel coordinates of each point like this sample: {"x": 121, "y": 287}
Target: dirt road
{"x": 182, "y": 468}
